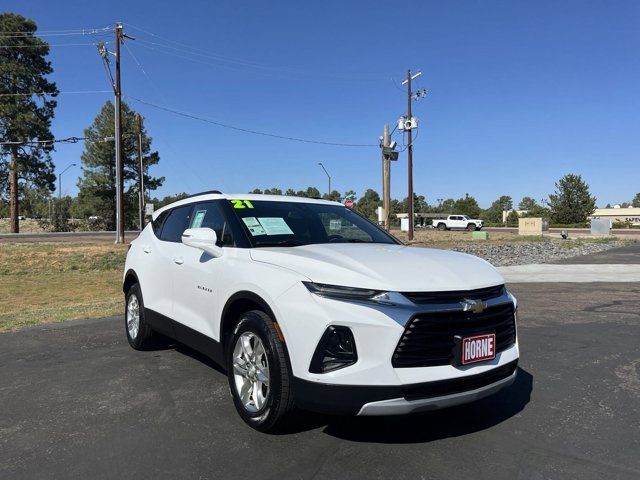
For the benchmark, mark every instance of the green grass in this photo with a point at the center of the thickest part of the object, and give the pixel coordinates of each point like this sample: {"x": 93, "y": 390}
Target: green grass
{"x": 43, "y": 283}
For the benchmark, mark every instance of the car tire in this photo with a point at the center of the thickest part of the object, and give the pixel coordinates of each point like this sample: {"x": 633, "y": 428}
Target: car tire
{"x": 442, "y": 227}
{"x": 139, "y": 334}
{"x": 471, "y": 227}
{"x": 254, "y": 349}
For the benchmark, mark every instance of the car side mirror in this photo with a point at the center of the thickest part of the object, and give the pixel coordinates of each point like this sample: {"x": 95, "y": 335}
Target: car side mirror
{"x": 204, "y": 239}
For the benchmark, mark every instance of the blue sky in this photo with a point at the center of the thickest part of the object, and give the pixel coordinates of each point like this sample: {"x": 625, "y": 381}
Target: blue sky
{"x": 520, "y": 93}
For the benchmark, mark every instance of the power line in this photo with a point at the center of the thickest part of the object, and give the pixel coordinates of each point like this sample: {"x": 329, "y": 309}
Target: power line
{"x": 67, "y": 140}
{"x": 163, "y": 98}
{"x": 197, "y": 49}
{"x": 45, "y": 142}
{"x": 215, "y": 57}
{"x": 49, "y": 45}
{"x": 246, "y": 130}
{"x": 106, "y": 28}
{"x": 52, "y": 93}
{"x": 104, "y": 55}
{"x": 231, "y": 61}
{"x": 144, "y": 72}
{"x": 97, "y": 31}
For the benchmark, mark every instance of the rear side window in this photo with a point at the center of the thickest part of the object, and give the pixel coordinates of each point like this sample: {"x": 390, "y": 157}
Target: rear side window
{"x": 157, "y": 223}
{"x": 210, "y": 215}
{"x": 176, "y": 223}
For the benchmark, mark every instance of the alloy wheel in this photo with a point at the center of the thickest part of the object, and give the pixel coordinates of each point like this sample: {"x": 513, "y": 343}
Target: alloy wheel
{"x": 251, "y": 371}
{"x": 133, "y": 316}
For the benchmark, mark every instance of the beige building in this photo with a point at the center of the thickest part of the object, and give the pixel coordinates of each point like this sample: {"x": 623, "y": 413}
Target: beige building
{"x": 630, "y": 214}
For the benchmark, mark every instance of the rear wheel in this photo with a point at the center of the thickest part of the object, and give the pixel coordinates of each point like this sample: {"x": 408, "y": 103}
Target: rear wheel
{"x": 442, "y": 227}
{"x": 259, "y": 376}
{"x": 139, "y": 334}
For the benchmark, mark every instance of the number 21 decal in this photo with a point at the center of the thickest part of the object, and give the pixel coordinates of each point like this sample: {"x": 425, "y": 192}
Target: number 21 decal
{"x": 242, "y": 204}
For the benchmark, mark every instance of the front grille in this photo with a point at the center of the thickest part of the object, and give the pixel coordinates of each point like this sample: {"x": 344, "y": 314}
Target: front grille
{"x": 458, "y": 385}
{"x": 428, "y": 339}
{"x": 425, "y": 298}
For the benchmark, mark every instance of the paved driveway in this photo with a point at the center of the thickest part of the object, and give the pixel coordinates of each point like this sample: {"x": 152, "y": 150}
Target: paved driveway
{"x": 627, "y": 255}
{"x": 77, "y": 402}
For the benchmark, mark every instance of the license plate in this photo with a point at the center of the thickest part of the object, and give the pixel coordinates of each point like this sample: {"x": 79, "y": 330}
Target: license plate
{"x": 478, "y": 348}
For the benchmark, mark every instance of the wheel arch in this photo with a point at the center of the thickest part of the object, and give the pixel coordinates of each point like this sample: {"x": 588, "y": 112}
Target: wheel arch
{"x": 130, "y": 278}
{"x": 236, "y": 305}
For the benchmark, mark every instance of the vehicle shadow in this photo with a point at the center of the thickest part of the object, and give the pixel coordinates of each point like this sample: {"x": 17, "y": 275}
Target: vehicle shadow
{"x": 417, "y": 428}
{"x": 162, "y": 342}
{"x": 428, "y": 426}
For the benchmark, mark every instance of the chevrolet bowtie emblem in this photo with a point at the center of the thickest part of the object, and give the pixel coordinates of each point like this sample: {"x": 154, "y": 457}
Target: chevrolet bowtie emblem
{"x": 475, "y": 306}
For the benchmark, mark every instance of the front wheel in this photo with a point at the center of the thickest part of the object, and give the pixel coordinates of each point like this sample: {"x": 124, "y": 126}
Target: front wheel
{"x": 139, "y": 334}
{"x": 471, "y": 227}
{"x": 259, "y": 376}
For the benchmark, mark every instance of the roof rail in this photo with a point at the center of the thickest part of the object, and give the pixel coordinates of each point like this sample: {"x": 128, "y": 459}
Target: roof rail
{"x": 203, "y": 193}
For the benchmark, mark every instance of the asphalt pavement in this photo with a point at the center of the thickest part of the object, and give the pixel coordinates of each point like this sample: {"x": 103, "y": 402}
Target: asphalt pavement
{"x": 77, "y": 402}
{"x": 627, "y": 255}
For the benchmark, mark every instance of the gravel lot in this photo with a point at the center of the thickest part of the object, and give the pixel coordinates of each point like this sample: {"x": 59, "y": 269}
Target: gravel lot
{"x": 523, "y": 253}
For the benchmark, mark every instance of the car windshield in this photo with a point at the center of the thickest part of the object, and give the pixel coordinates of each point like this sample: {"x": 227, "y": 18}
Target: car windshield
{"x": 292, "y": 224}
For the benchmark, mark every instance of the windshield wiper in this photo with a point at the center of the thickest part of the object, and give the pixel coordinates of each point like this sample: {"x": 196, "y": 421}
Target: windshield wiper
{"x": 283, "y": 243}
{"x": 348, "y": 240}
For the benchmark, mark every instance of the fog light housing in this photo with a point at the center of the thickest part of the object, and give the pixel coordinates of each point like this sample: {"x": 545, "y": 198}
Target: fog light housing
{"x": 336, "y": 349}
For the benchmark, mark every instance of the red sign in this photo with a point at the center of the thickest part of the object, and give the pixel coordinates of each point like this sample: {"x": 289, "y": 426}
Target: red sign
{"x": 478, "y": 348}
{"x": 348, "y": 203}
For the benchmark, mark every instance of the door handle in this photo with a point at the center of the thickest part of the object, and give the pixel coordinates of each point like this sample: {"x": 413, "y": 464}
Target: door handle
{"x": 178, "y": 260}
{"x": 146, "y": 249}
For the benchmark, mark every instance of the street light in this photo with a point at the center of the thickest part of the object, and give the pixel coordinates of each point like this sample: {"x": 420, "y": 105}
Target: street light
{"x": 329, "y": 177}
{"x": 60, "y": 189}
{"x": 60, "y": 180}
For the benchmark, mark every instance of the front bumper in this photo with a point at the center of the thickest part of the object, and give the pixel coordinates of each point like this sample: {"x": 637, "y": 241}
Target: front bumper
{"x": 401, "y": 399}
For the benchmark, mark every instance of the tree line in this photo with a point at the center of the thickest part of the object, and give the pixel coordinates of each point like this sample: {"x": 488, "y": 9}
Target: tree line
{"x": 571, "y": 203}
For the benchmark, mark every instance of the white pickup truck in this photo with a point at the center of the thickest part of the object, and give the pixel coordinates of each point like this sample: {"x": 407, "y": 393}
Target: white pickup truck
{"x": 458, "y": 221}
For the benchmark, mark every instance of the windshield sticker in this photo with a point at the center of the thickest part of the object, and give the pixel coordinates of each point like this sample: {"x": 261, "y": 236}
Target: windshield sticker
{"x": 198, "y": 218}
{"x": 335, "y": 224}
{"x": 275, "y": 226}
{"x": 241, "y": 204}
{"x": 254, "y": 226}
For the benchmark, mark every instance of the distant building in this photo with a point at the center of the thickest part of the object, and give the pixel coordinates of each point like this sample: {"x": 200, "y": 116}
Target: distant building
{"x": 505, "y": 214}
{"x": 630, "y": 214}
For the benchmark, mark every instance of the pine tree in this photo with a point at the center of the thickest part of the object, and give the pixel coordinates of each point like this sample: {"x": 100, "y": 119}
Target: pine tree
{"x": 24, "y": 118}
{"x": 467, "y": 205}
{"x": 572, "y": 202}
{"x": 97, "y": 186}
{"x": 493, "y": 214}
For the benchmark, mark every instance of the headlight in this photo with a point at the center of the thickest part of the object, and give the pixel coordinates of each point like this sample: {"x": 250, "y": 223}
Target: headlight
{"x": 345, "y": 293}
{"x": 339, "y": 292}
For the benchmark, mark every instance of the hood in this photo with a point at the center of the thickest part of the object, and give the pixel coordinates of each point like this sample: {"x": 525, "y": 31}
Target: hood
{"x": 383, "y": 267}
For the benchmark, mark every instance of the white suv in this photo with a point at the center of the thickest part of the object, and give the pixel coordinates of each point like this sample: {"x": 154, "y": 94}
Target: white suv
{"x": 307, "y": 304}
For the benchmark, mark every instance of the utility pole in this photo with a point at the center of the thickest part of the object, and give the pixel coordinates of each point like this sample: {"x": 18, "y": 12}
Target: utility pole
{"x": 118, "y": 134}
{"x": 13, "y": 190}
{"x": 386, "y": 179}
{"x": 141, "y": 173}
{"x": 410, "y": 159}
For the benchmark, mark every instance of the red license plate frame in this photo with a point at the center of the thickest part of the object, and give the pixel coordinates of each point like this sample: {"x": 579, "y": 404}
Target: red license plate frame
{"x": 478, "y": 348}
